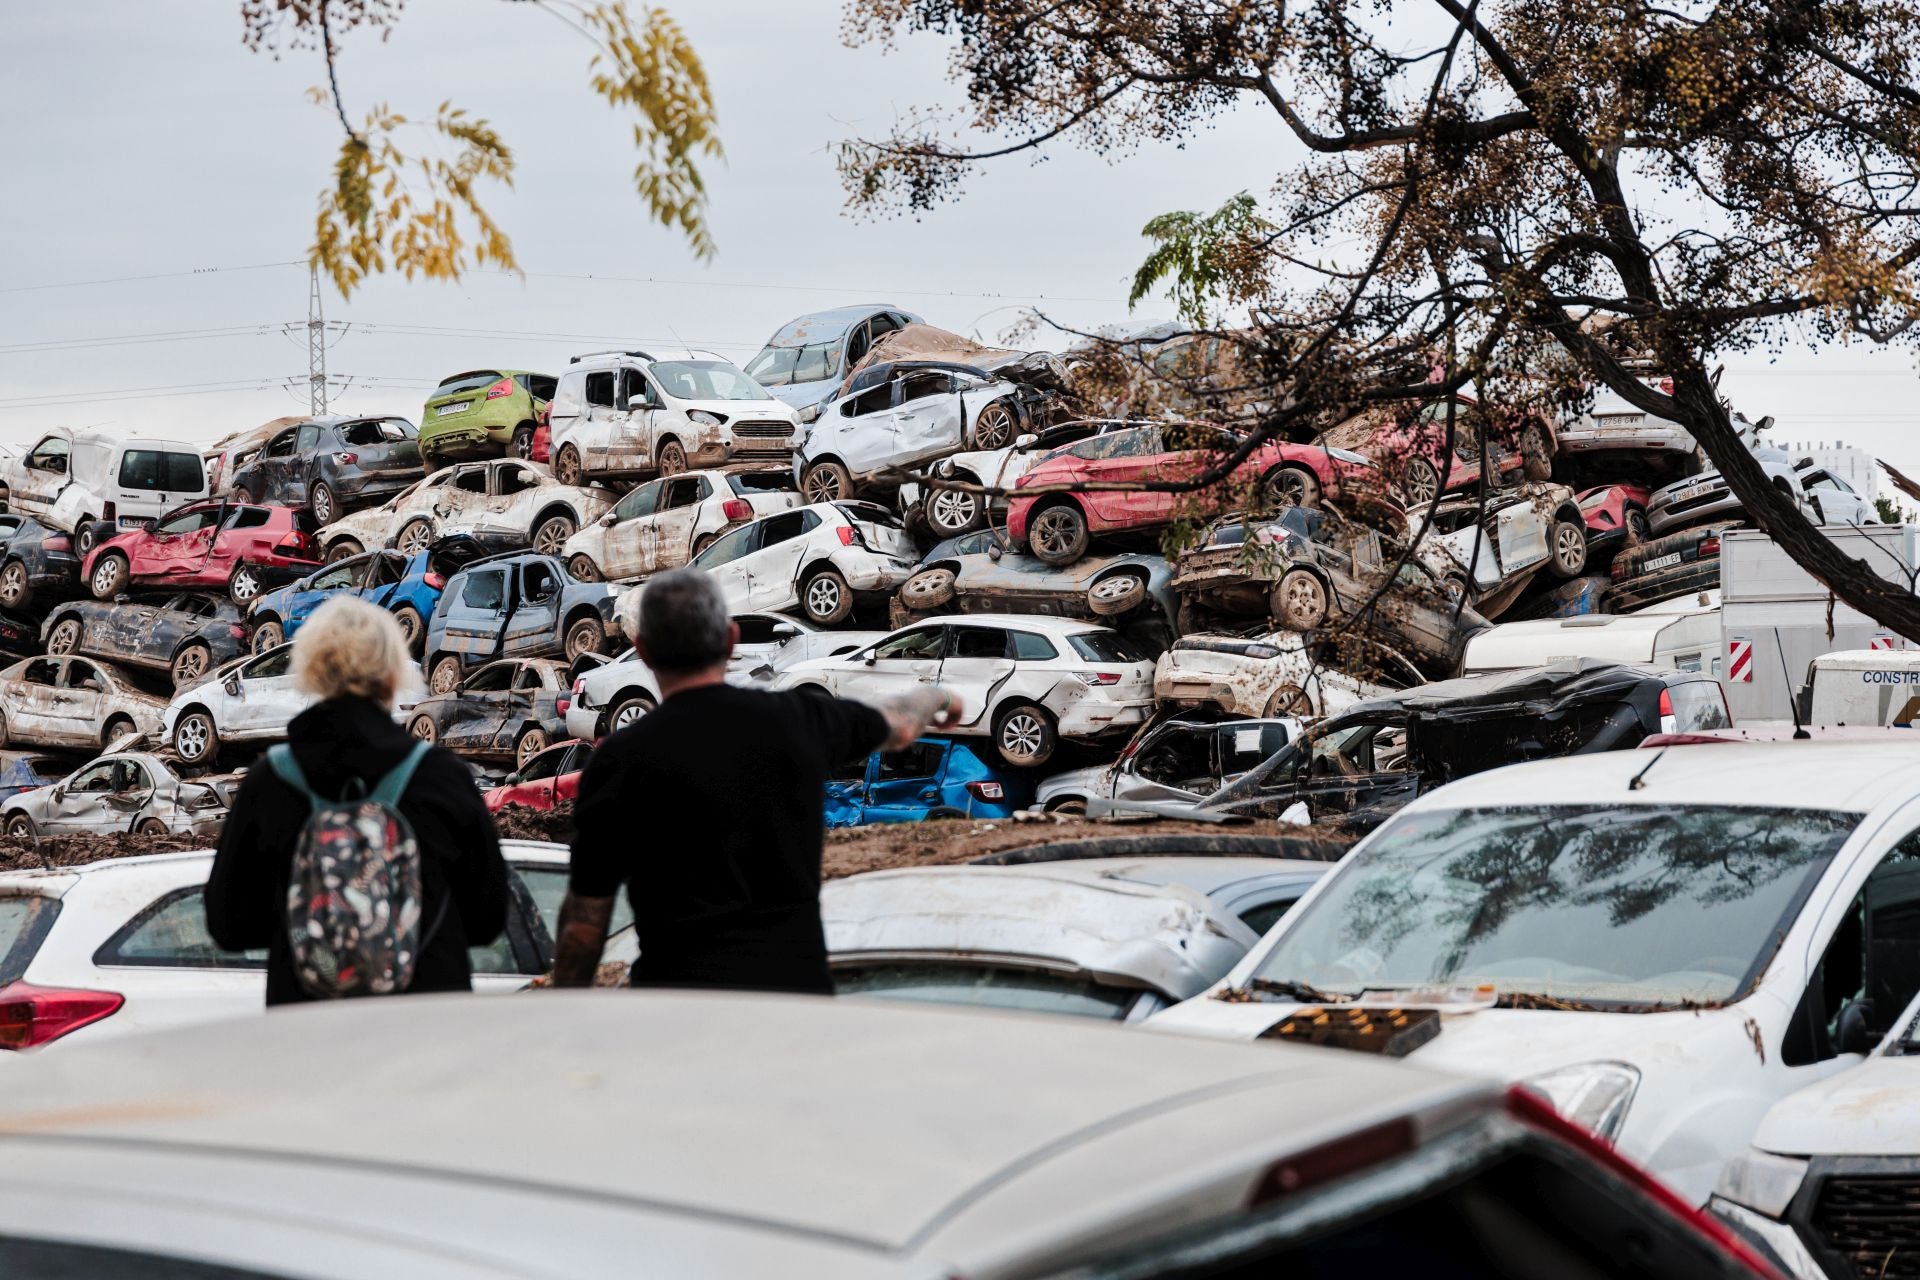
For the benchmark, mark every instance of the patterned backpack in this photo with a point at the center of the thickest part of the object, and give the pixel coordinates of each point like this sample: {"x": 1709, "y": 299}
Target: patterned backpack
{"x": 353, "y": 898}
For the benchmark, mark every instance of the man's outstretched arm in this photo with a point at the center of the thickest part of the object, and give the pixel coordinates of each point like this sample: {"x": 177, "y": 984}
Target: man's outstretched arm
{"x": 582, "y": 936}
{"x": 913, "y": 712}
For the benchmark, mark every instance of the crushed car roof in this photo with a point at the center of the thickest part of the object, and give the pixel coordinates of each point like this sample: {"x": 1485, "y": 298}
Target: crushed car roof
{"x": 1555, "y": 682}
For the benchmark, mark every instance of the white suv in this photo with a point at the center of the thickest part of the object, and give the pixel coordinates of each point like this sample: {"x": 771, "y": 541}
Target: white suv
{"x": 819, "y": 560}
{"x": 630, "y": 413}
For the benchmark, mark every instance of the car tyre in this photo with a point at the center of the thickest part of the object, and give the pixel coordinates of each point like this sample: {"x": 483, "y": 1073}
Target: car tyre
{"x": 321, "y": 501}
{"x": 1058, "y": 535}
{"x": 85, "y": 538}
{"x": 191, "y": 664}
{"x": 20, "y": 827}
{"x": 1074, "y": 808}
{"x": 152, "y": 827}
{"x": 529, "y": 744}
{"x": 245, "y": 585}
{"x": 553, "y": 534}
{"x": 446, "y": 674}
{"x": 1117, "y": 594}
{"x": 414, "y": 537}
{"x": 1024, "y": 735}
{"x": 110, "y": 576}
{"x": 951, "y": 513}
{"x": 1638, "y": 530}
{"x": 240, "y": 493}
{"x": 826, "y": 598}
{"x": 995, "y": 426}
{"x": 523, "y": 443}
{"x": 1289, "y": 700}
{"x": 628, "y": 711}
{"x": 702, "y": 542}
{"x": 1299, "y": 601}
{"x": 413, "y": 627}
{"x": 195, "y": 740}
{"x": 587, "y": 635}
{"x": 424, "y": 729}
{"x": 927, "y": 589}
{"x": 945, "y": 811}
{"x": 1293, "y": 487}
{"x": 343, "y": 549}
{"x": 65, "y": 638}
{"x": 673, "y": 458}
{"x": 16, "y": 585}
{"x": 1568, "y": 550}
{"x": 581, "y": 568}
{"x": 826, "y": 481}
{"x": 1419, "y": 482}
{"x": 566, "y": 465}
{"x": 268, "y": 635}
{"x": 1536, "y": 452}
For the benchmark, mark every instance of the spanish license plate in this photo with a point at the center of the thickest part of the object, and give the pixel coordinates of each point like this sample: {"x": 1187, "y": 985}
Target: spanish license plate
{"x": 1688, "y": 495}
{"x": 135, "y": 522}
{"x": 1661, "y": 562}
{"x": 460, "y": 407}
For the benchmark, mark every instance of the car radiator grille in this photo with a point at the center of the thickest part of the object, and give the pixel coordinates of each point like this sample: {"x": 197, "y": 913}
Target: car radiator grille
{"x": 760, "y": 434}
{"x": 1874, "y": 1223}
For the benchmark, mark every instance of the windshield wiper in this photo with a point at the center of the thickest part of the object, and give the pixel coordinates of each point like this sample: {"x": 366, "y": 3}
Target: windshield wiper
{"x": 1297, "y": 991}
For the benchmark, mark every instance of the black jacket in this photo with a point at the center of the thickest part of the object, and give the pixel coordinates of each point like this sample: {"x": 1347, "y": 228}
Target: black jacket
{"x": 459, "y": 849}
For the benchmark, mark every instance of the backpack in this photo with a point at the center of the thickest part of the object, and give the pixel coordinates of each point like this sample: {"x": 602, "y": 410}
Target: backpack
{"x": 354, "y": 895}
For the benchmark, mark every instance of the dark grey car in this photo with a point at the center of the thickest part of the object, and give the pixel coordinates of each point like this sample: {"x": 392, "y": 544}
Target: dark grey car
{"x": 505, "y": 710}
{"x": 331, "y": 465}
{"x": 185, "y": 635}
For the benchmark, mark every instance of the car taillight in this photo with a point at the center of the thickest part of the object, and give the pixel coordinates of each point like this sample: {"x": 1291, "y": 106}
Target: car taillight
{"x": 345, "y": 459}
{"x": 1332, "y": 1160}
{"x": 296, "y": 544}
{"x": 504, "y": 387}
{"x": 1097, "y": 677}
{"x": 987, "y": 790}
{"x": 56, "y": 542}
{"x": 562, "y": 704}
{"x": 31, "y": 1015}
{"x": 738, "y": 509}
{"x": 435, "y": 581}
{"x": 1710, "y": 547}
{"x": 848, "y": 537}
{"x": 1666, "y": 702}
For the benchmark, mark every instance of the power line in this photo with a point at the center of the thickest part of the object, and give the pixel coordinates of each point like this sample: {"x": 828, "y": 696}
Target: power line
{"x": 842, "y": 289}
{"x": 445, "y": 331}
{"x": 161, "y": 275}
{"x": 137, "y": 339}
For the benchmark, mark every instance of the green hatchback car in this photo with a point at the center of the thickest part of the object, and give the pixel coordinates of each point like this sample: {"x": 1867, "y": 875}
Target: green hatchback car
{"x": 483, "y": 413}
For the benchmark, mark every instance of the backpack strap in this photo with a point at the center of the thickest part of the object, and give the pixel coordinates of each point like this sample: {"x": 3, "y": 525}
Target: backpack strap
{"x": 391, "y": 787}
{"x": 281, "y": 760}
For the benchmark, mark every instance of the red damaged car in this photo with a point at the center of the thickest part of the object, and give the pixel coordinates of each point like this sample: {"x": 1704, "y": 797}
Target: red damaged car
{"x": 545, "y": 780}
{"x": 1411, "y": 444}
{"x": 1059, "y": 526}
{"x": 242, "y": 548}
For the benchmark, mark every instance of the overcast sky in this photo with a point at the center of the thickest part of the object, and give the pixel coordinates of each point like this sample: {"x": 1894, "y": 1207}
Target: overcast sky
{"x": 145, "y": 141}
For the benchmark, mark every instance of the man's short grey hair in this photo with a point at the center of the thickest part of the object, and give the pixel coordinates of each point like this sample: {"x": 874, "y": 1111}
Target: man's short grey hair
{"x": 683, "y": 621}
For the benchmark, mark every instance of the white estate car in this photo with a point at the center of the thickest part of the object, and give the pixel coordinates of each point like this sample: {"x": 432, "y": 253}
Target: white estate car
{"x": 629, "y": 413}
{"x": 1023, "y": 680}
{"x": 251, "y": 699}
{"x": 503, "y": 503}
{"x": 72, "y": 702}
{"x": 1831, "y": 1185}
{"x": 819, "y": 560}
{"x": 664, "y": 523}
{"x": 109, "y": 948}
{"x": 1656, "y": 940}
{"x": 701, "y": 1136}
{"x": 1268, "y": 676}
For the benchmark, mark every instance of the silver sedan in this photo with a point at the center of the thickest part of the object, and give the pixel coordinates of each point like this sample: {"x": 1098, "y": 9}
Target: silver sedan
{"x": 122, "y": 791}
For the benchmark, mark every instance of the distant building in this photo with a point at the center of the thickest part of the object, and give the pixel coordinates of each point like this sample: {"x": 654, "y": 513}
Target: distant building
{"x": 1854, "y": 465}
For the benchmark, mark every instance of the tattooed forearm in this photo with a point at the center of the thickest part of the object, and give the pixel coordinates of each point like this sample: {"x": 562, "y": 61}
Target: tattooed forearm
{"x": 911, "y": 713}
{"x": 582, "y": 934}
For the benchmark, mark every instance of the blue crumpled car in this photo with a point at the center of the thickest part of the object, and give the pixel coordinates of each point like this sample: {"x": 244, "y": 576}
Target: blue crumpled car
{"x": 933, "y": 778}
{"x": 407, "y": 586}
{"x": 22, "y": 771}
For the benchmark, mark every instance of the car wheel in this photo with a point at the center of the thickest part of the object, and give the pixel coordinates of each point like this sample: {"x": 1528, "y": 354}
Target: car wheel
{"x": 343, "y": 549}
{"x": 673, "y": 458}
{"x": 152, "y": 827}
{"x": 240, "y": 493}
{"x": 245, "y": 586}
{"x": 3, "y": 729}
{"x": 194, "y": 737}
{"x": 1637, "y": 530}
{"x": 64, "y": 638}
{"x": 1298, "y": 601}
{"x": 423, "y": 728}
{"x": 16, "y": 587}
{"x": 1289, "y": 700}
{"x": 927, "y": 589}
{"x": 951, "y": 513}
{"x": 826, "y": 598}
{"x": 320, "y": 498}
{"x": 628, "y": 711}
{"x": 85, "y": 538}
{"x": 581, "y": 568}
{"x": 110, "y": 576}
{"x": 523, "y": 443}
{"x": 1071, "y": 808}
{"x": 826, "y": 482}
{"x": 1569, "y": 548}
{"x": 1024, "y": 735}
{"x": 587, "y": 635}
{"x": 702, "y": 542}
{"x": 20, "y": 827}
{"x": 528, "y": 745}
{"x": 945, "y": 811}
{"x": 413, "y": 627}
{"x": 446, "y": 674}
{"x": 995, "y": 427}
{"x": 190, "y": 664}
{"x": 1058, "y": 535}
{"x": 1293, "y": 487}
{"x": 1117, "y": 593}
{"x": 566, "y": 465}
{"x": 552, "y": 535}
{"x": 414, "y": 537}
{"x": 1536, "y": 452}
{"x": 268, "y": 635}
{"x": 1419, "y": 482}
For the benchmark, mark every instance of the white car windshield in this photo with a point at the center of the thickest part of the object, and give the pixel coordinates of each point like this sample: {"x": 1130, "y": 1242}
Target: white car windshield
{"x": 1609, "y": 907}
{"x": 784, "y": 366}
{"x": 705, "y": 380}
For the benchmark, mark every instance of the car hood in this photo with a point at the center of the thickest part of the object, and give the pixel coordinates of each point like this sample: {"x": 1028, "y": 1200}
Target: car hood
{"x": 805, "y": 395}
{"x": 1870, "y": 1110}
{"x": 925, "y": 344}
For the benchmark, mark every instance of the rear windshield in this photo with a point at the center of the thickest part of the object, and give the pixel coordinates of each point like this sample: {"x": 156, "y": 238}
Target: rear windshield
{"x": 1104, "y": 646}
{"x": 1699, "y": 704}
{"x": 868, "y": 513}
{"x": 377, "y": 431}
{"x": 161, "y": 472}
{"x": 467, "y": 382}
{"x": 985, "y": 987}
{"x": 23, "y": 926}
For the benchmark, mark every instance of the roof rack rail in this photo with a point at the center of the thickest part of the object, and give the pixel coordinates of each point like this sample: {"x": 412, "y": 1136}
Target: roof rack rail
{"x": 588, "y": 355}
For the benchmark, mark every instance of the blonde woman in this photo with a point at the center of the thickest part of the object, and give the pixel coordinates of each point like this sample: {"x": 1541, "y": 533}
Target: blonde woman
{"x": 352, "y": 657}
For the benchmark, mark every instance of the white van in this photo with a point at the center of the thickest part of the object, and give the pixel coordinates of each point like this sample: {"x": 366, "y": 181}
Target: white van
{"x": 1682, "y": 634}
{"x": 1862, "y": 687}
{"x": 70, "y": 479}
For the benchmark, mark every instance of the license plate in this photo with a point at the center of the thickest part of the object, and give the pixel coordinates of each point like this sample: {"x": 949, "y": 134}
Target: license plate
{"x": 446, "y": 409}
{"x": 135, "y": 522}
{"x": 1687, "y": 495}
{"x": 1661, "y": 562}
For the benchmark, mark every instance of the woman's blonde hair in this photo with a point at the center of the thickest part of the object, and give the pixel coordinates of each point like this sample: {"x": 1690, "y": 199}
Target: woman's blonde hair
{"x": 350, "y": 647}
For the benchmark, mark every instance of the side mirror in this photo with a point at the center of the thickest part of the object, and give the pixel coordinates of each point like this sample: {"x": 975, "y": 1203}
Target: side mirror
{"x": 459, "y": 687}
{"x": 234, "y": 688}
{"x": 59, "y": 794}
{"x": 1855, "y": 1033}
{"x": 510, "y": 780}
{"x": 994, "y": 552}
{"x": 1025, "y": 441}
{"x": 610, "y": 519}
{"x": 872, "y": 658}
{"x": 785, "y": 631}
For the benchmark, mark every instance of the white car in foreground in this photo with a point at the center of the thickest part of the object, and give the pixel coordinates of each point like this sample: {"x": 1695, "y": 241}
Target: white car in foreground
{"x": 699, "y": 1136}
{"x": 666, "y": 522}
{"x": 251, "y": 699}
{"x": 819, "y": 561}
{"x": 1656, "y": 940}
{"x": 1022, "y": 680}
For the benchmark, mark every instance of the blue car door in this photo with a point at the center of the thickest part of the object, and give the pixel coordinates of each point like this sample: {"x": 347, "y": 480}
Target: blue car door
{"x": 846, "y": 793}
{"x": 906, "y": 783}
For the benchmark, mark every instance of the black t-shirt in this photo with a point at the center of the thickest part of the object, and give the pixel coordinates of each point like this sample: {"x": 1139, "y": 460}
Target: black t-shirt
{"x": 709, "y": 810}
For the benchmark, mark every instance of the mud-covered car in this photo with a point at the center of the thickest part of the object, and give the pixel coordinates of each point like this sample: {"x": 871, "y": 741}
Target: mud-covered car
{"x": 1659, "y": 569}
{"x": 1702, "y": 498}
{"x": 1173, "y": 757}
{"x": 186, "y": 635}
{"x": 518, "y": 605}
{"x": 330, "y": 465}
{"x": 975, "y": 573}
{"x": 820, "y": 561}
{"x": 503, "y": 504}
{"x": 1410, "y": 446}
{"x": 1313, "y": 570}
{"x": 664, "y": 523}
{"x": 408, "y": 587}
{"x": 1495, "y": 543}
{"x": 239, "y": 548}
{"x": 483, "y": 413}
{"x": 807, "y": 358}
{"x": 952, "y": 512}
{"x": 1616, "y": 438}
{"x": 36, "y": 563}
{"x": 1271, "y": 675}
{"x": 22, "y": 771}
{"x": 505, "y": 711}
{"x": 72, "y": 702}
{"x": 123, "y": 791}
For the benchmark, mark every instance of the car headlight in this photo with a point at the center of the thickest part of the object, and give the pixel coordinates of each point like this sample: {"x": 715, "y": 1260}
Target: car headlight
{"x": 704, "y": 418}
{"x": 810, "y": 413}
{"x": 208, "y": 798}
{"x": 1762, "y": 1181}
{"x": 1593, "y": 1095}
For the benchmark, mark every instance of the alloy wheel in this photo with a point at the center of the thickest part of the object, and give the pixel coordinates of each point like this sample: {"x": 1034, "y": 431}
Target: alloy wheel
{"x": 13, "y": 584}
{"x": 190, "y": 739}
{"x": 1022, "y": 734}
{"x": 1569, "y": 547}
{"x": 953, "y": 512}
{"x": 823, "y": 597}
{"x": 246, "y": 584}
{"x": 1054, "y": 531}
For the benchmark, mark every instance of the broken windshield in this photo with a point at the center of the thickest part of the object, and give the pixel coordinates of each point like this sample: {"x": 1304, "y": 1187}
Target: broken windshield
{"x": 784, "y": 366}
{"x": 1636, "y": 906}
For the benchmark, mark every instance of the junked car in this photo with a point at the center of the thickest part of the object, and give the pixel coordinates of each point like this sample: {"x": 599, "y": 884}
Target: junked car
{"x": 36, "y": 563}
{"x": 1616, "y": 438}
{"x": 78, "y": 481}
{"x": 122, "y": 791}
{"x": 1410, "y": 445}
{"x": 821, "y": 561}
{"x": 239, "y": 548}
{"x": 1662, "y": 943}
{"x": 1616, "y": 518}
{"x": 73, "y": 702}
{"x": 1273, "y": 675}
{"x": 1494, "y": 544}
{"x": 332, "y": 464}
{"x": 952, "y": 512}
{"x": 483, "y": 413}
{"x": 507, "y": 710}
{"x": 517, "y": 605}
{"x": 1678, "y": 564}
{"x": 807, "y": 359}
{"x": 1830, "y": 499}
{"x": 664, "y": 523}
{"x": 609, "y": 697}
{"x": 933, "y": 777}
{"x": 632, "y": 413}
{"x": 975, "y": 573}
{"x": 1181, "y": 759}
{"x": 1706, "y": 496}
{"x": 503, "y": 504}
{"x": 408, "y": 587}
{"x": 185, "y": 635}
{"x": 249, "y": 700}
{"x": 235, "y": 449}
{"x": 1025, "y": 682}
{"x": 771, "y": 642}
{"x": 22, "y": 771}
{"x": 543, "y": 781}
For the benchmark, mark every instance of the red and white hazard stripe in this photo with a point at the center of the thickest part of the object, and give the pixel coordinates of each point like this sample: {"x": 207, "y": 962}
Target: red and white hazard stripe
{"x": 1884, "y": 641}
{"x": 1740, "y": 661}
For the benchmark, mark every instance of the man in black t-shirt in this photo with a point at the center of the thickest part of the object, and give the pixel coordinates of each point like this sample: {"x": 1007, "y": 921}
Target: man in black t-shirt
{"x": 709, "y": 810}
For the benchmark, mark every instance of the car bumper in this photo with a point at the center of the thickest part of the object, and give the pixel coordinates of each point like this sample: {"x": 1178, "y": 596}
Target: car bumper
{"x": 883, "y": 575}
{"x": 1673, "y": 441}
{"x": 1090, "y": 719}
{"x": 471, "y": 440}
{"x": 278, "y": 571}
{"x": 583, "y": 722}
{"x": 1652, "y": 588}
{"x": 369, "y": 485}
{"x": 1664, "y": 516}
{"x": 1777, "y": 1242}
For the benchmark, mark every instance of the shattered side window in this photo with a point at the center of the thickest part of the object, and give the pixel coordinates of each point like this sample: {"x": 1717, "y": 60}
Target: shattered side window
{"x": 599, "y": 390}
{"x": 1116, "y": 444}
{"x": 871, "y": 401}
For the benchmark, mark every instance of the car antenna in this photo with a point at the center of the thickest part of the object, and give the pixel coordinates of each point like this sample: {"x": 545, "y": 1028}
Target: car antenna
{"x": 1793, "y": 704}
{"x": 1638, "y": 783}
